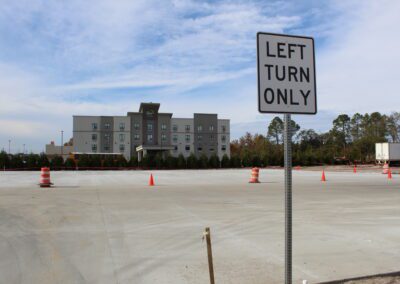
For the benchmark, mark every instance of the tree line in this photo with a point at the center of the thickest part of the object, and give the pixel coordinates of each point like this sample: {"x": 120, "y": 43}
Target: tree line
{"x": 36, "y": 161}
{"x": 350, "y": 140}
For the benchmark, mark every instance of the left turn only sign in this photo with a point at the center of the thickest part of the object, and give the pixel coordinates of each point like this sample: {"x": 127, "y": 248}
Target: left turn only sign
{"x": 286, "y": 74}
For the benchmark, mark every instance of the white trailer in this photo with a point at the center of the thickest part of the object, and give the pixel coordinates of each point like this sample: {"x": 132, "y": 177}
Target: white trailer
{"x": 387, "y": 152}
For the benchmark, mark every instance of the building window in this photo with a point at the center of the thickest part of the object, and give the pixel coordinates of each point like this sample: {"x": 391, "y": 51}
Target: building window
{"x": 223, "y": 128}
{"x": 187, "y": 128}
{"x": 187, "y": 138}
{"x": 163, "y": 126}
{"x": 150, "y": 137}
{"x": 199, "y": 128}
{"x": 163, "y": 137}
{"x": 187, "y": 147}
{"x": 106, "y": 147}
{"x": 199, "y": 137}
{"x": 223, "y": 138}
{"x": 94, "y": 148}
{"x": 212, "y": 137}
{"x": 121, "y": 147}
{"x": 211, "y": 128}
{"x": 199, "y": 149}
{"x": 106, "y": 126}
{"x": 122, "y": 137}
{"x": 136, "y": 137}
{"x": 94, "y": 126}
{"x": 223, "y": 148}
{"x": 94, "y": 137}
{"x": 122, "y": 126}
{"x": 136, "y": 126}
{"x": 175, "y": 138}
{"x": 175, "y": 148}
{"x": 107, "y": 138}
{"x": 211, "y": 149}
{"x": 175, "y": 128}
{"x": 150, "y": 113}
{"x": 149, "y": 126}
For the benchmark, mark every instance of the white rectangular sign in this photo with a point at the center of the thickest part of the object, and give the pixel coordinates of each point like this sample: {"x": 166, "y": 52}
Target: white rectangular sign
{"x": 286, "y": 74}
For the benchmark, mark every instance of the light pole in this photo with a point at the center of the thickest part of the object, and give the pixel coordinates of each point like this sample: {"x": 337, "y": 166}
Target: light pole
{"x": 62, "y": 143}
{"x": 9, "y": 147}
{"x": 23, "y": 155}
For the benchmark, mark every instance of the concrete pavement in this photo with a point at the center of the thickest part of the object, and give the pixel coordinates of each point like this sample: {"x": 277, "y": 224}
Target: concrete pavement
{"x": 110, "y": 227}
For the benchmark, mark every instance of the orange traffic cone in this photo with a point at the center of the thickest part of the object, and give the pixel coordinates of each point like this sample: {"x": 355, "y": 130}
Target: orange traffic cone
{"x": 323, "y": 176}
{"x": 385, "y": 169}
{"x": 254, "y": 175}
{"x": 355, "y": 169}
{"x": 45, "y": 177}
{"x": 389, "y": 174}
{"x": 151, "y": 181}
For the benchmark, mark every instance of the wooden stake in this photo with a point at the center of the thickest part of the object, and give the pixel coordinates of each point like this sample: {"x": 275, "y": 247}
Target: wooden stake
{"x": 209, "y": 253}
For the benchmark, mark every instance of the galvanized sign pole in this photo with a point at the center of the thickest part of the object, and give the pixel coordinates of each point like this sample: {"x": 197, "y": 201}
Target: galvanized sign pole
{"x": 286, "y": 84}
{"x": 288, "y": 197}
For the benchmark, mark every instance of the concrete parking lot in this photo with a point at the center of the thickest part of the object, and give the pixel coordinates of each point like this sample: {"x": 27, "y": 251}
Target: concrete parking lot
{"x": 111, "y": 227}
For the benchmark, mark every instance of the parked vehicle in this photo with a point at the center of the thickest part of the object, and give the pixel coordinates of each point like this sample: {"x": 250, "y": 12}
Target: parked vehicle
{"x": 387, "y": 152}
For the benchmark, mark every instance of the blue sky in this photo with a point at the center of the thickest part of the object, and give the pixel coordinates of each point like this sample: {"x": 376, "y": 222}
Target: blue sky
{"x": 59, "y": 58}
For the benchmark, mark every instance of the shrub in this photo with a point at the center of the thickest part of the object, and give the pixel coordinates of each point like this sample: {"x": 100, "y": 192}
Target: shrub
{"x": 235, "y": 162}
{"x": 159, "y": 161}
{"x": 191, "y": 161}
{"x": 32, "y": 160}
{"x": 94, "y": 161}
{"x": 84, "y": 161}
{"x": 171, "y": 162}
{"x": 109, "y": 162}
{"x": 43, "y": 161}
{"x": 70, "y": 163}
{"x": 133, "y": 162}
{"x": 213, "y": 162}
{"x": 57, "y": 162}
{"x": 16, "y": 161}
{"x": 203, "y": 162}
{"x": 225, "y": 162}
{"x": 181, "y": 162}
{"x": 121, "y": 162}
{"x": 256, "y": 161}
{"x": 147, "y": 161}
{"x": 247, "y": 160}
{"x": 4, "y": 160}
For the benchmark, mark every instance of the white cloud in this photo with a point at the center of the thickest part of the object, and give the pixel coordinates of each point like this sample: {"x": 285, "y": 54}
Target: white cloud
{"x": 21, "y": 128}
{"x": 358, "y": 71}
{"x": 130, "y": 45}
{"x": 195, "y": 57}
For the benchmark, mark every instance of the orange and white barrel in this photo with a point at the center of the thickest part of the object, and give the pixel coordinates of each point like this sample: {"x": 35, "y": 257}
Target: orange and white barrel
{"x": 254, "y": 175}
{"x": 385, "y": 169}
{"x": 45, "y": 177}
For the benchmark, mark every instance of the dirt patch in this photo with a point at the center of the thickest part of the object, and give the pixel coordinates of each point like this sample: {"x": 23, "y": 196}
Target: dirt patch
{"x": 389, "y": 278}
{"x": 348, "y": 168}
{"x": 376, "y": 280}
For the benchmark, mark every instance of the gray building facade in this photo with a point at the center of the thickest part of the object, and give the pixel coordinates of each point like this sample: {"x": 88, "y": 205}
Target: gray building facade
{"x": 149, "y": 131}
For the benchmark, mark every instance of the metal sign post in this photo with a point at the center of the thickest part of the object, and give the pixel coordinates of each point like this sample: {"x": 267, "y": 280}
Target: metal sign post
{"x": 286, "y": 84}
{"x": 288, "y": 197}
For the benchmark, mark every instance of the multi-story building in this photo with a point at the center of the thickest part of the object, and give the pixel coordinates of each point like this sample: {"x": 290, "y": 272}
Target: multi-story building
{"x": 53, "y": 150}
{"x": 149, "y": 131}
